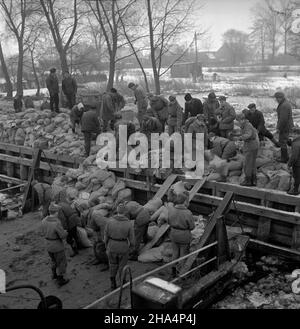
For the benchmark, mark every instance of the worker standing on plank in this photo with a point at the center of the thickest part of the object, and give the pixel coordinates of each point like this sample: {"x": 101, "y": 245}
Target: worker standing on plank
{"x": 69, "y": 88}
{"x": 175, "y": 116}
{"x": 141, "y": 100}
{"x": 76, "y": 115}
{"x": 256, "y": 118}
{"x": 159, "y": 109}
{"x": 118, "y": 237}
{"x": 284, "y": 124}
{"x": 45, "y": 195}
{"x": 209, "y": 108}
{"x": 226, "y": 116}
{"x": 294, "y": 164}
{"x": 182, "y": 223}
{"x": 90, "y": 126}
{"x": 53, "y": 88}
{"x": 251, "y": 145}
{"x": 70, "y": 221}
{"x": 55, "y": 236}
{"x": 193, "y": 107}
{"x": 222, "y": 147}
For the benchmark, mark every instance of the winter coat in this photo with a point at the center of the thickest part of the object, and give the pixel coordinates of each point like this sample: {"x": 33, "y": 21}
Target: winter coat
{"x": 257, "y": 120}
{"x": 285, "y": 117}
{"x": 193, "y": 126}
{"x": 44, "y": 192}
{"x": 119, "y": 235}
{"x": 249, "y": 136}
{"x": 143, "y": 218}
{"x": 52, "y": 84}
{"x": 227, "y": 113}
{"x": 159, "y": 107}
{"x": 294, "y": 160}
{"x": 90, "y": 122}
{"x": 107, "y": 107}
{"x": 118, "y": 101}
{"x": 69, "y": 86}
{"x": 54, "y": 234}
{"x": 223, "y": 148}
{"x": 210, "y": 108}
{"x": 68, "y": 216}
{"x": 182, "y": 223}
{"x": 192, "y": 109}
{"x": 175, "y": 112}
{"x": 141, "y": 98}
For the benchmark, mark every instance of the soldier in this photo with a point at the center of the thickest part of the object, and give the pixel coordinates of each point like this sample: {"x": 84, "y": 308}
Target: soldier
{"x": 294, "y": 164}
{"x": 226, "y": 114}
{"x": 90, "y": 126}
{"x": 55, "y": 236}
{"x": 70, "y": 221}
{"x": 285, "y": 123}
{"x": 108, "y": 111}
{"x": 69, "y": 87}
{"x": 251, "y": 145}
{"x": 193, "y": 107}
{"x": 118, "y": 100}
{"x": 209, "y": 107}
{"x": 118, "y": 237}
{"x": 182, "y": 223}
{"x": 140, "y": 100}
{"x": 159, "y": 109}
{"x": 76, "y": 115}
{"x": 175, "y": 116}
{"x": 44, "y": 192}
{"x": 53, "y": 88}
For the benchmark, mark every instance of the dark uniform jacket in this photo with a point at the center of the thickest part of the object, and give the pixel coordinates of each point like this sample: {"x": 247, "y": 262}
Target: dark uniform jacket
{"x": 54, "y": 234}
{"x": 107, "y": 107}
{"x": 90, "y": 122}
{"x": 192, "y": 109}
{"x": 76, "y": 114}
{"x": 175, "y": 115}
{"x": 227, "y": 113}
{"x": 182, "y": 223}
{"x": 285, "y": 117}
{"x": 193, "y": 126}
{"x": 256, "y": 119}
{"x": 159, "y": 107}
{"x": 69, "y": 86}
{"x": 68, "y": 216}
{"x": 119, "y": 235}
{"x": 52, "y": 84}
{"x": 119, "y": 101}
{"x": 294, "y": 160}
{"x": 249, "y": 136}
{"x": 209, "y": 109}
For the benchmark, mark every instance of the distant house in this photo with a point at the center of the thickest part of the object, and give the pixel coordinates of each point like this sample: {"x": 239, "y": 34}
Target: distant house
{"x": 215, "y": 58}
{"x": 186, "y": 70}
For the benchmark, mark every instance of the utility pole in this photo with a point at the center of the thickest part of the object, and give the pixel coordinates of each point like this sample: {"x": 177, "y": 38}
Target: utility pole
{"x": 196, "y": 49}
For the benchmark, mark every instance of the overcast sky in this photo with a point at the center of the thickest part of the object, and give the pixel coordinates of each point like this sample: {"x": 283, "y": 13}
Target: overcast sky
{"x": 217, "y": 15}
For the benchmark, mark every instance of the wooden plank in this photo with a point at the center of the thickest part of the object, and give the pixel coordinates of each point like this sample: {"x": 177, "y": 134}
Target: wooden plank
{"x": 218, "y": 214}
{"x": 11, "y": 180}
{"x": 199, "y": 184}
{"x": 165, "y": 187}
{"x": 296, "y": 238}
{"x": 160, "y": 233}
{"x": 264, "y": 228}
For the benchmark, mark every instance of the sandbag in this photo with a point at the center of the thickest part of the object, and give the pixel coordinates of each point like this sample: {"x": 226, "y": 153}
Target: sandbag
{"x": 274, "y": 180}
{"x": 215, "y": 177}
{"x": 124, "y": 195}
{"x": 234, "y": 180}
{"x": 109, "y": 183}
{"x": 167, "y": 252}
{"x": 151, "y": 256}
{"x": 235, "y": 173}
{"x": 72, "y": 193}
{"x": 262, "y": 180}
{"x": 83, "y": 238}
{"x": 119, "y": 186}
{"x": 285, "y": 181}
{"x": 263, "y": 162}
{"x": 152, "y": 230}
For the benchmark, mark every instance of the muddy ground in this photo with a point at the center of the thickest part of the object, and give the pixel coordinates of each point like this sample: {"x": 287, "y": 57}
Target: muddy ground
{"x": 24, "y": 259}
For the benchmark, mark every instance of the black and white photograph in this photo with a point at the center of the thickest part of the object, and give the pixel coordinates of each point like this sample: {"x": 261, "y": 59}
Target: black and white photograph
{"x": 150, "y": 158}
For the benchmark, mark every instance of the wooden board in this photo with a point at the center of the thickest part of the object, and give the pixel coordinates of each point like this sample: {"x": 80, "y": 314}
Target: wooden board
{"x": 165, "y": 187}
{"x": 160, "y": 233}
{"x": 199, "y": 184}
{"x": 223, "y": 207}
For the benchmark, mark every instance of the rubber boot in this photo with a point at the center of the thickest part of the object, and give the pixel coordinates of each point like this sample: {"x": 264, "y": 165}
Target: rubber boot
{"x": 113, "y": 284}
{"x": 62, "y": 281}
{"x": 54, "y": 274}
{"x": 247, "y": 182}
{"x": 275, "y": 142}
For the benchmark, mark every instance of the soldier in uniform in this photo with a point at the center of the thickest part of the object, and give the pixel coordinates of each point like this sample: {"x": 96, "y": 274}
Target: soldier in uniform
{"x": 44, "y": 192}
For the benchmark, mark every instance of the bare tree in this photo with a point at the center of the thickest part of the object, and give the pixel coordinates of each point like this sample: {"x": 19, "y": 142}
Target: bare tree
{"x": 63, "y": 20}
{"x": 258, "y": 36}
{"x": 15, "y": 16}
{"x": 9, "y": 86}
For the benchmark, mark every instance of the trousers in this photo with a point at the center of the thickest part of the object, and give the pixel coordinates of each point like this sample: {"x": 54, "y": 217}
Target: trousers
{"x": 72, "y": 238}
{"x": 71, "y": 98}
{"x": 54, "y": 101}
{"x": 283, "y": 139}
{"x": 59, "y": 262}
{"x": 250, "y": 163}
{"x": 140, "y": 233}
{"x": 116, "y": 263}
{"x": 296, "y": 176}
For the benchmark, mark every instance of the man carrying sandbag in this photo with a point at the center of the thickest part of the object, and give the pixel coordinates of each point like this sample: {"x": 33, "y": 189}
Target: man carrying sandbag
{"x": 90, "y": 126}
{"x": 118, "y": 237}
{"x": 284, "y": 124}
{"x": 294, "y": 164}
{"x": 251, "y": 145}
{"x": 70, "y": 221}
{"x": 76, "y": 115}
{"x": 182, "y": 223}
{"x": 55, "y": 236}
{"x": 45, "y": 195}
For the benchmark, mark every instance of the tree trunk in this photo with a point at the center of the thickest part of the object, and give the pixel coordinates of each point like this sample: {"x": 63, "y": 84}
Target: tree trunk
{"x": 153, "y": 61}
{"x": 63, "y": 60}
{"x": 111, "y": 77}
{"x": 20, "y": 69}
{"x": 37, "y": 81}
{"x": 9, "y": 86}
